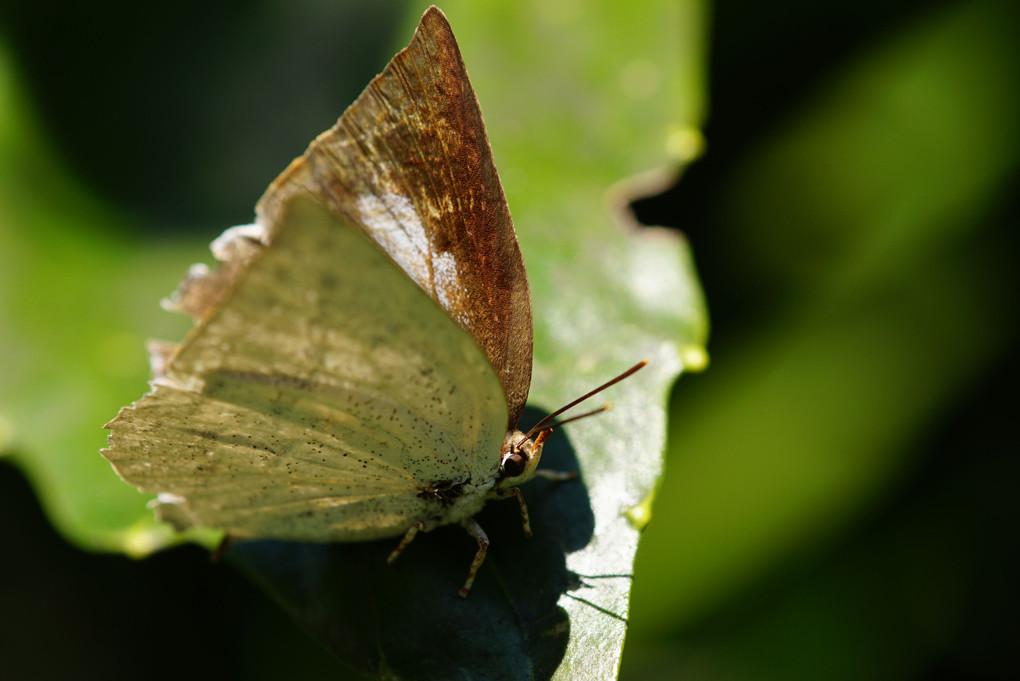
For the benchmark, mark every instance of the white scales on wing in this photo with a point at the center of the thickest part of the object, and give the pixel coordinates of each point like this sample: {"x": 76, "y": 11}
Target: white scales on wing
{"x": 396, "y": 226}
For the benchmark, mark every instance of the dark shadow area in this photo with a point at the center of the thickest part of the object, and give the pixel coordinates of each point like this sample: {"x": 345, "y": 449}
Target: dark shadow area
{"x": 113, "y": 617}
{"x": 407, "y": 618}
{"x": 946, "y": 529}
{"x": 69, "y": 614}
{"x": 134, "y": 93}
{"x": 762, "y": 65}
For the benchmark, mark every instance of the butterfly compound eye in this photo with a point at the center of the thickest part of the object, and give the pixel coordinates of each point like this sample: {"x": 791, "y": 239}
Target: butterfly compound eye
{"x": 513, "y": 465}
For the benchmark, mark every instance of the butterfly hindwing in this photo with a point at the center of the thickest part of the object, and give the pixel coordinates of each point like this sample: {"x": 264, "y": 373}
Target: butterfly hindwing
{"x": 317, "y": 400}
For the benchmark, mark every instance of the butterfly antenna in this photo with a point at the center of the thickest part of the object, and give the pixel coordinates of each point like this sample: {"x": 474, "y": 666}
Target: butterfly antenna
{"x": 541, "y": 425}
{"x": 557, "y": 424}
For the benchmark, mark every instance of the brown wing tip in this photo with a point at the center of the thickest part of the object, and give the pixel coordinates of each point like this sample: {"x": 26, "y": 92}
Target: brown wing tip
{"x": 434, "y": 27}
{"x": 434, "y": 16}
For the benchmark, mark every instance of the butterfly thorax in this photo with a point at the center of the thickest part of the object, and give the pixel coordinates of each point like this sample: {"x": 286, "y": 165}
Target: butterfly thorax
{"x": 452, "y": 502}
{"x": 456, "y": 500}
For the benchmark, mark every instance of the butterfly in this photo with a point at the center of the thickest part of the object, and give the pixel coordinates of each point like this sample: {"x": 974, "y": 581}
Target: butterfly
{"x": 362, "y": 354}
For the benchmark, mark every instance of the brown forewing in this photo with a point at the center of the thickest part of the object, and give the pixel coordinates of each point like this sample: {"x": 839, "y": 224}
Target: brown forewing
{"x": 410, "y": 163}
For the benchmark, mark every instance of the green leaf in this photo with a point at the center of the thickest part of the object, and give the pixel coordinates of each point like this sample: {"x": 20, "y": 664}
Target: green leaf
{"x": 77, "y": 301}
{"x": 579, "y": 99}
{"x": 606, "y": 294}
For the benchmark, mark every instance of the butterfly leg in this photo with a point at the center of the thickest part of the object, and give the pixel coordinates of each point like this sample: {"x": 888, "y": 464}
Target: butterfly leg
{"x": 476, "y": 531}
{"x": 414, "y": 529}
{"x": 558, "y": 476}
{"x": 525, "y": 520}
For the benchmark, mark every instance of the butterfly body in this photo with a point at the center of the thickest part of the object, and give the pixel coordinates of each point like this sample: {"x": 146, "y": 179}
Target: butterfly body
{"x": 361, "y": 355}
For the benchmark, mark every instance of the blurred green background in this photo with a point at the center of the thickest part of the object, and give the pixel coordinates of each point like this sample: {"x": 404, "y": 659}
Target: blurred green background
{"x": 840, "y": 498}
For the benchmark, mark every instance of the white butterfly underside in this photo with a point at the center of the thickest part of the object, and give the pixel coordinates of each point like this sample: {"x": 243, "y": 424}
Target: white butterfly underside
{"x": 328, "y": 398}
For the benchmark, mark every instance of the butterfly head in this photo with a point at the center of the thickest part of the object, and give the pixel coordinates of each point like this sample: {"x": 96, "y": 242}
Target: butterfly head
{"x": 519, "y": 456}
